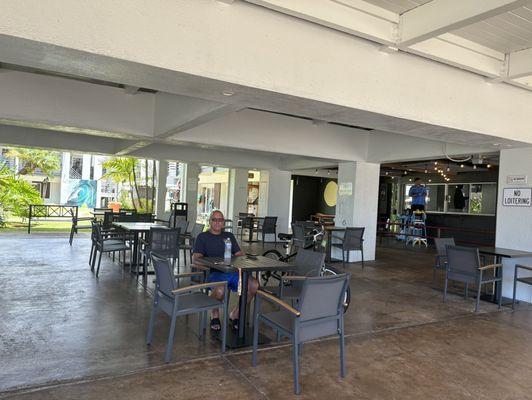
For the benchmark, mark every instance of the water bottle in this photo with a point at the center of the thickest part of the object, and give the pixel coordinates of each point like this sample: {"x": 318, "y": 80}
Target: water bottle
{"x": 227, "y": 251}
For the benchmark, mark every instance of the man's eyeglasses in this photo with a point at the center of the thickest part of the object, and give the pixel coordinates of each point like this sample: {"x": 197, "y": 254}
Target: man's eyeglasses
{"x": 217, "y": 219}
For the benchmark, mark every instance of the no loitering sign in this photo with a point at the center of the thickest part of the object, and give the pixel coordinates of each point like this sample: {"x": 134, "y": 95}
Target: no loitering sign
{"x": 518, "y": 197}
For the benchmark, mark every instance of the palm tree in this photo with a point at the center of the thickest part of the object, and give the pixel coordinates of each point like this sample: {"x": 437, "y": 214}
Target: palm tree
{"x": 33, "y": 159}
{"x": 123, "y": 170}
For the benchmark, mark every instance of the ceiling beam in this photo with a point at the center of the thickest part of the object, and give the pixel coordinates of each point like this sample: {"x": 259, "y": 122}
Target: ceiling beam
{"x": 200, "y": 120}
{"x": 441, "y": 16}
{"x": 520, "y": 64}
{"x": 350, "y": 16}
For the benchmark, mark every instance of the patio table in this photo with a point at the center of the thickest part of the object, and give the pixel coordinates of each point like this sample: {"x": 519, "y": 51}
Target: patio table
{"x": 244, "y": 265}
{"x": 137, "y": 229}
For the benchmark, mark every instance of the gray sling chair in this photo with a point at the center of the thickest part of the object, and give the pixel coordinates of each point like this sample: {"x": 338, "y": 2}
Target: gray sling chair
{"x": 196, "y": 230}
{"x": 441, "y": 255}
{"x": 319, "y": 313}
{"x": 106, "y": 244}
{"x": 268, "y": 226}
{"x": 300, "y": 239}
{"x": 162, "y": 241}
{"x": 308, "y": 263}
{"x": 176, "y": 301}
{"x": 353, "y": 239}
{"x": 463, "y": 265}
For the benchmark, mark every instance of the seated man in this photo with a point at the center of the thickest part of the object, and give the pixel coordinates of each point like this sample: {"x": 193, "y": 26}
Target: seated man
{"x": 211, "y": 244}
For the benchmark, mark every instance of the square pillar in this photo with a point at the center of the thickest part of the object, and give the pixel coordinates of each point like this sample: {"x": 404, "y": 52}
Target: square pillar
{"x": 514, "y": 224}
{"x": 238, "y": 193}
{"x": 192, "y": 171}
{"x": 358, "y": 193}
{"x": 274, "y": 198}
{"x": 161, "y": 189}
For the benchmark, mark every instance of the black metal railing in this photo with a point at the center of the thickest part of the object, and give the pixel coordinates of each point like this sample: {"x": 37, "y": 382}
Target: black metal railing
{"x": 51, "y": 211}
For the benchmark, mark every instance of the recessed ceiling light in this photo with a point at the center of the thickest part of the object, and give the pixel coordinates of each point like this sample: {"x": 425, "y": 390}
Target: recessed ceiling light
{"x": 430, "y": 180}
{"x": 474, "y": 167}
{"x": 488, "y": 166}
{"x": 228, "y": 93}
{"x": 461, "y": 165}
{"x": 435, "y": 162}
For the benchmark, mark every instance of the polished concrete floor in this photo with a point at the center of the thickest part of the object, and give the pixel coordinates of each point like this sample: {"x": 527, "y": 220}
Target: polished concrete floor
{"x": 65, "y": 334}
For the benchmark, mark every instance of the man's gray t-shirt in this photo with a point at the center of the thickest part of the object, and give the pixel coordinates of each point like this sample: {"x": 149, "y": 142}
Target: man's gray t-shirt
{"x": 213, "y": 245}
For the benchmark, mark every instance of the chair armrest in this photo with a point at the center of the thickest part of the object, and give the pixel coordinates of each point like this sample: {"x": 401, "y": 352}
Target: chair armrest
{"x": 188, "y": 274}
{"x": 491, "y": 266}
{"x": 523, "y": 267}
{"x": 272, "y": 299}
{"x": 198, "y": 287}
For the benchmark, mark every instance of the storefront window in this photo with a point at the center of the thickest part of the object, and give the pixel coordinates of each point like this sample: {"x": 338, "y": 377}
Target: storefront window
{"x": 458, "y": 198}
{"x": 435, "y": 198}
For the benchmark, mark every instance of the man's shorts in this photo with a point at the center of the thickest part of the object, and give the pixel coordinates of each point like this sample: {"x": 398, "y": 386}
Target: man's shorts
{"x": 230, "y": 277}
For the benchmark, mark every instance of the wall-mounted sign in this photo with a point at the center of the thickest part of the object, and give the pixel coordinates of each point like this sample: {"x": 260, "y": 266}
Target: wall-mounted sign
{"x": 345, "y": 189}
{"x": 517, "y": 197}
{"x": 516, "y": 179}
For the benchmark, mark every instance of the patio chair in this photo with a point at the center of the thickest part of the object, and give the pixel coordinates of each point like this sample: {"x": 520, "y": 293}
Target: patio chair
{"x": 441, "y": 255}
{"x": 162, "y": 241}
{"x": 246, "y": 222}
{"x": 76, "y": 226}
{"x": 352, "y": 240}
{"x": 463, "y": 265}
{"x": 522, "y": 279}
{"x": 300, "y": 239}
{"x": 176, "y": 301}
{"x": 268, "y": 226}
{"x": 110, "y": 244}
{"x": 319, "y": 313}
{"x": 196, "y": 230}
{"x": 308, "y": 263}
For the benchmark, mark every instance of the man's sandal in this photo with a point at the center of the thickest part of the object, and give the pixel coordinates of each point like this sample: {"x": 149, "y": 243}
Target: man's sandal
{"x": 215, "y": 324}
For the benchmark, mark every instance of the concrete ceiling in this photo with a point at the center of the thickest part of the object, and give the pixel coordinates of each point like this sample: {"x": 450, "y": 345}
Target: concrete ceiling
{"x": 186, "y": 109}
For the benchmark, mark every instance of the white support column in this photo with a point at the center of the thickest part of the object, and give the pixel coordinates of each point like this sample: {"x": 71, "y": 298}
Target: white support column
{"x": 191, "y": 191}
{"x": 97, "y": 175}
{"x": 86, "y": 166}
{"x": 274, "y": 197}
{"x": 514, "y": 224}
{"x": 65, "y": 174}
{"x": 161, "y": 188}
{"x": 238, "y": 192}
{"x": 358, "y": 184}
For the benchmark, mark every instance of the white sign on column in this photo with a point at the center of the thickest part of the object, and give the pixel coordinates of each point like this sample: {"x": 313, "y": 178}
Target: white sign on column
{"x": 516, "y": 197}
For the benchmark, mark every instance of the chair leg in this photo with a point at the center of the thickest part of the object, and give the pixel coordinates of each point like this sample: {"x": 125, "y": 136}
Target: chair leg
{"x": 295, "y": 355}
{"x": 170, "y": 344}
{"x": 515, "y": 288}
{"x": 445, "y": 288}
{"x": 90, "y": 256}
{"x": 342, "y": 348}
{"x": 362, "y": 255}
{"x": 71, "y": 234}
{"x": 466, "y": 290}
{"x": 93, "y": 260}
{"x": 479, "y": 284}
{"x": 226, "y": 318}
{"x": 149, "y": 334}
{"x": 99, "y": 262}
{"x": 343, "y": 258}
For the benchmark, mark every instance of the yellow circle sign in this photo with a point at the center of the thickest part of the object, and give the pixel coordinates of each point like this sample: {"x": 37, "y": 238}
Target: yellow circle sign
{"x": 329, "y": 194}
